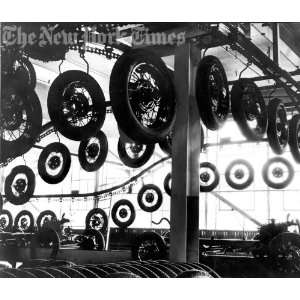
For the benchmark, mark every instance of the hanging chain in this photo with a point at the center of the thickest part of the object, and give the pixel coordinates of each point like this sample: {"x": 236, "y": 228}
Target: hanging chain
{"x": 108, "y": 52}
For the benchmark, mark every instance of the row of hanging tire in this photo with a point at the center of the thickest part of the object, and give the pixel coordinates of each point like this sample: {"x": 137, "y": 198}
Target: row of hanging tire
{"x": 123, "y": 213}
{"x": 143, "y": 102}
{"x": 24, "y": 221}
{"x": 133, "y": 269}
{"x": 277, "y": 173}
{"x": 55, "y": 160}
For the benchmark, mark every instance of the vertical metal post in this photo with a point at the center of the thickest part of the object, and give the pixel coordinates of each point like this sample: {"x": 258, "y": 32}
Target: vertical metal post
{"x": 96, "y": 200}
{"x": 185, "y": 160}
{"x": 275, "y": 33}
{"x": 108, "y": 225}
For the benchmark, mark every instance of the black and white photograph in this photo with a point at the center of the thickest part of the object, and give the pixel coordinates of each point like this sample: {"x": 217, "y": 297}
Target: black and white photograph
{"x": 149, "y": 150}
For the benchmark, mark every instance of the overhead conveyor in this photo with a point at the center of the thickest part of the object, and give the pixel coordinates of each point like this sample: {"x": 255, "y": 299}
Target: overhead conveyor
{"x": 270, "y": 68}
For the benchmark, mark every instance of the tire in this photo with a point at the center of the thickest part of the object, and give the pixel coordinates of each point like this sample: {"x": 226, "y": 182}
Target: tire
{"x": 46, "y": 263}
{"x": 18, "y": 273}
{"x": 45, "y": 236}
{"x": 42, "y": 215}
{"x": 122, "y": 275}
{"x": 24, "y": 73}
{"x": 39, "y": 273}
{"x": 87, "y": 273}
{"x": 116, "y": 217}
{"x": 273, "y": 184}
{"x": 214, "y": 184}
{"x": 25, "y": 113}
{"x": 103, "y": 215}
{"x": 99, "y": 239}
{"x": 166, "y": 144}
{"x": 277, "y": 110}
{"x": 294, "y": 142}
{"x": 56, "y": 100}
{"x": 18, "y": 217}
{"x": 281, "y": 249}
{"x": 123, "y": 111}
{"x": 211, "y": 120}
{"x": 64, "y": 162}
{"x": 133, "y": 162}
{"x": 167, "y": 184}
{"x": 194, "y": 274}
{"x": 9, "y": 225}
{"x": 235, "y": 185}
{"x": 157, "y": 241}
{"x": 22, "y": 197}
{"x": 150, "y": 199}
{"x": 239, "y": 113}
{"x": 97, "y": 159}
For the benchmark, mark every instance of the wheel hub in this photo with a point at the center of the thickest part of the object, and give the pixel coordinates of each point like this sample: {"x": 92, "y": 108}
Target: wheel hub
{"x": 3, "y": 222}
{"x": 24, "y": 223}
{"x": 20, "y": 185}
{"x": 136, "y": 148}
{"x": 79, "y": 106}
{"x": 96, "y": 222}
{"x": 239, "y": 173}
{"x": 93, "y": 150}
{"x": 277, "y": 172}
{"x": 205, "y": 177}
{"x": 54, "y": 162}
{"x": 12, "y": 118}
{"x": 123, "y": 213}
{"x": 149, "y": 197}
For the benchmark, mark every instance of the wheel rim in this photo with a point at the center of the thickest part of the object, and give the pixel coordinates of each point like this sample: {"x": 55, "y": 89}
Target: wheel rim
{"x": 147, "y": 97}
{"x": 148, "y": 249}
{"x": 253, "y": 109}
{"x": 218, "y": 92}
{"x": 282, "y": 127}
{"x": 278, "y": 173}
{"x": 54, "y": 163}
{"x": 92, "y": 150}
{"x": 96, "y": 221}
{"x": 19, "y": 185}
{"x": 134, "y": 150}
{"x": 47, "y": 219}
{"x": 239, "y": 174}
{"x": 150, "y": 198}
{"x": 77, "y": 105}
{"x": 207, "y": 176}
{"x": 288, "y": 258}
{"x": 4, "y": 222}
{"x": 24, "y": 223}
{"x": 22, "y": 72}
{"x": 14, "y": 118}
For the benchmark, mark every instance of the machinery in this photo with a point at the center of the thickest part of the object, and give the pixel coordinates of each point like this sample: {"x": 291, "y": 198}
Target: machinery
{"x": 151, "y": 103}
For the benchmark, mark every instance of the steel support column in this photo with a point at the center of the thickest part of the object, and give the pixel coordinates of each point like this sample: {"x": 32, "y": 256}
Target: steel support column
{"x": 185, "y": 160}
{"x": 275, "y": 33}
{"x": 96, "y": 200}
